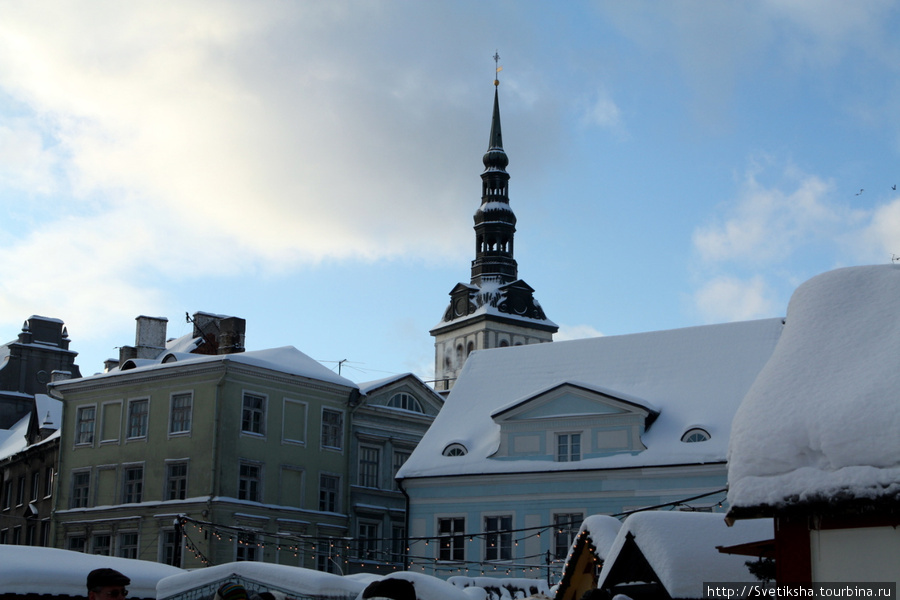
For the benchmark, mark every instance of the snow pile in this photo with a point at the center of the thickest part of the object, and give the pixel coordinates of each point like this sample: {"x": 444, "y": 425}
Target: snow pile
{"x": 822, "y": 419}
{"x": 695, "y": 377}
{"x": 681, "y": 549}
{"x": 297, "y": 580}
{"x": 431, "y": 588}
{"x": 503, "y": 588}
{"x": 50, "y": 571}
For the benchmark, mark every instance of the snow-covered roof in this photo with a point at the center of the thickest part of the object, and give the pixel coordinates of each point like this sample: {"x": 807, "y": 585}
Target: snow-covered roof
{"x": 694, "y": 377}
{"x": 50, "y": 571}
{"x": 429, "y": 587}
{"x": 285, "y": 359}
{"x": 12, "y": 440}
{"x": 304, "y": 582}
{"x": 681, "y": 548}
{"x": 822, "y": 419}
{"x": 602, "y": 531}
{"x": 370, "y": 386}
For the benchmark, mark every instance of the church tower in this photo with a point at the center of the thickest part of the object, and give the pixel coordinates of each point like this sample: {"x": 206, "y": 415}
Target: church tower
{"x": 495, "y": 309}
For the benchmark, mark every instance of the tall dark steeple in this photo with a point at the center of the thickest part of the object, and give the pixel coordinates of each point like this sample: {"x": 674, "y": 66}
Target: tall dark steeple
{"x": 496, "y": 309}
{"x": 495, "y": 223}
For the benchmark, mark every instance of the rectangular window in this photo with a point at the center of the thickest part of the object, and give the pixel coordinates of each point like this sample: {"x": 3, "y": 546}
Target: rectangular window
{"x": 253, "y": 415}
{"x": 35, "y": 485}
{"x": 247, "y": 547}
{"x": 30, "y": 535}
{"x": 398, "y": 544}
{"x": 568, "y": 447}
{"x": 17, "y": 536}
{"x": 367, "y": 541}
{"x": 138, "y": 411}
{"x": 176, "y": 481}
{"x": 76, "y": 543}
{"x": 368, "y": 466}
{"x": 100, "y": 544}
{"x": 498, "y": 538}
{"x": 567, "y": 526}
{"x": 81, "y": 487}
{"x": 328, "y": 493}
{"x": 45, "y": 533}
{"x": 451, "y": 539}
{"x": 84, "y": 425}
{"x": 168, "y": 543}
{"x": 4, "y": 536}
{"x": 7, "y": 494}
{"x": 111, "y": 422}
{"x": 133, "y": 488}
{"x": 180, "y": 413}
{"x": 249, "y": 482}
{"x": 128, "y": 545}
{"x": 20, "y": 491}
{"x": 332, "y": 429}
{"x": 48, "y": 482}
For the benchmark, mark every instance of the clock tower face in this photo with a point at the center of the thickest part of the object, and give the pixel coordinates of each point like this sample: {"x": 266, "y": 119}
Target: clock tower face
{"x": 461, "y": 307}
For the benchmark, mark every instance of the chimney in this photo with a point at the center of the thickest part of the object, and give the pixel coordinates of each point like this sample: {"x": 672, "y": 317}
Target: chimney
{"x": 221, "y": 334}
{"x": 150, "y": 337}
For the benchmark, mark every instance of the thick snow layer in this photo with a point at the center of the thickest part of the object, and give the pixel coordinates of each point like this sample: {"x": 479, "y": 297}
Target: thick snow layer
{"x": 50, "y": 571}
{"x": 695, "y": 377}
{"x": 12, "y": 440}
{"x": 431, "y": 588}
{"x": 301, "y": 581}
{"x": 681, "y": 548}
{"x": 823, "y": 417}
{"x": 508, "y": 588}
{"x": 602, "y": 530}
{"x": 285, "y": 359}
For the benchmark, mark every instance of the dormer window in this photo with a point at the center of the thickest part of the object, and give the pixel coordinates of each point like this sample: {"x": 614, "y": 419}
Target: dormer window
{"x": 455, "y": 450}
{"x": 695, "y": 435}
{"x": 568, "y": 447}
{"x": 405, "y": 401}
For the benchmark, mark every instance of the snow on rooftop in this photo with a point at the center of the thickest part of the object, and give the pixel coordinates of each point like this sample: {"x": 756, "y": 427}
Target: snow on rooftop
{"x": 822, "y": 418}
{"x": 50, "y": 571}
{"x": 285, "y": 359}
{"x": 681, "y": 548}
{"x": 602, "y": 530}
{"x": 298, "y": 580}
{"x": 429, "y": 587}
{"x": 695, "y": 377}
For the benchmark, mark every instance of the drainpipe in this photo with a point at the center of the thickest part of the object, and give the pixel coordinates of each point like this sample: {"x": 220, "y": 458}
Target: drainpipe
{"x": 214, "y": 482}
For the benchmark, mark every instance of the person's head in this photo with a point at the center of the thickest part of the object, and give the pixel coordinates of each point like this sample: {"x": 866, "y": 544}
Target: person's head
{"x": 231, "y": 591}
{"x": 107, "y": 584}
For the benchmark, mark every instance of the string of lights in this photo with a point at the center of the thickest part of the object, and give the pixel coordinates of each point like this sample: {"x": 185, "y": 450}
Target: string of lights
{"x": 385, "y": 552}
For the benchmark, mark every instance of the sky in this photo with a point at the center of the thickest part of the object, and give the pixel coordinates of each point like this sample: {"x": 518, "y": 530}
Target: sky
{"x": 313, "y": 167}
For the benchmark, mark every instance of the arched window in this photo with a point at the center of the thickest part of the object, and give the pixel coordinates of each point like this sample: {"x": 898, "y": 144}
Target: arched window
{"x": 504, "y": 343}
{"x": 455, "y": 450}
{"x": 405, "y": 401}
{"x": 470, "y": 348}
{"x": 695, "y": 435}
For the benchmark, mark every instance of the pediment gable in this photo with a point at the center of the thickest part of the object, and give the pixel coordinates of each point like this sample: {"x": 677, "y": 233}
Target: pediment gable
{"x": 572, "y": 400}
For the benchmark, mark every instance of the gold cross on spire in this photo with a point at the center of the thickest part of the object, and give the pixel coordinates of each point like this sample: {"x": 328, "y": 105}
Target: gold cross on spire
{"x": 497, "y": 70}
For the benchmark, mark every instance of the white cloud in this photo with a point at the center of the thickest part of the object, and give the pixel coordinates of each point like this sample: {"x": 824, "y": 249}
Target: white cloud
{"x": 732, "y": 299}
{"x": 602, "y": 111}
{"x": 576, "y": 332}
{"x": 767, "y": 223}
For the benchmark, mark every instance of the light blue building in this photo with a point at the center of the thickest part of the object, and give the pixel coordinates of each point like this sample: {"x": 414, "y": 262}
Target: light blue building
{"x": 533, "y": 439}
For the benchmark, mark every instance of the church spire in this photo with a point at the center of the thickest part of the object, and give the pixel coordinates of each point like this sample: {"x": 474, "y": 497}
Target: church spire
{"x": 495, "y": 223}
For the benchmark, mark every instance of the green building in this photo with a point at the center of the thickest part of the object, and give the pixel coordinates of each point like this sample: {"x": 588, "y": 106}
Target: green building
{"x": 194, "y": 459}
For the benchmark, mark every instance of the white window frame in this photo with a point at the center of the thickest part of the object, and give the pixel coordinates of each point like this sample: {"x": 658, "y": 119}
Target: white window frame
{"x": 170, "y": 479}
{"x": 257, "y": 479}
{"x": 369, "y": 470}
{"x": 132, "y": 489}
{"x": 338, "y": 432}
{"x": 85, "y": 436}
{"x": 189, "y": 412}
{"x": 451, "y": 543}
{"x": 569, "y": 455}
{"x": 142, "y": 435}
{"x": 257, "y": 415}
{"x": 498, "y": 542}
{"x": 336, "y": 501}
{"x": 86, "y": 500}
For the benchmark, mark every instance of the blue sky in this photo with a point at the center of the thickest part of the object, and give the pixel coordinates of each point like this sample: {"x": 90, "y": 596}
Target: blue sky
{"x": 313, "y": 167}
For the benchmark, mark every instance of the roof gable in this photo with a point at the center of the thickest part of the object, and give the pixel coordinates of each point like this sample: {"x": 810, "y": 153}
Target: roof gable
{"x": 569, "y": 400}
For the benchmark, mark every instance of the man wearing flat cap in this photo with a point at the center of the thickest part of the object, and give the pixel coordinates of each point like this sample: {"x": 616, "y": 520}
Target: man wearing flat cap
{"x": 106, "y": 584}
